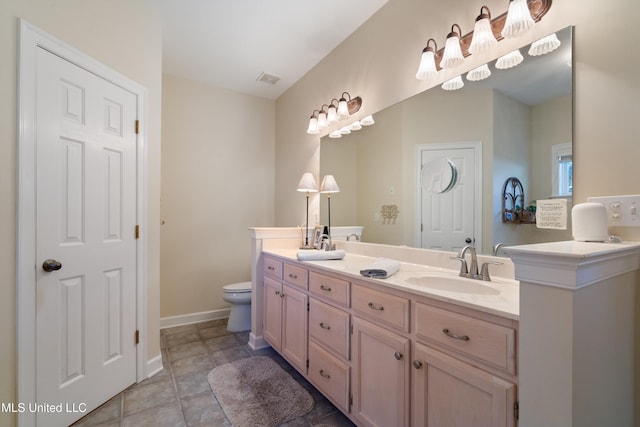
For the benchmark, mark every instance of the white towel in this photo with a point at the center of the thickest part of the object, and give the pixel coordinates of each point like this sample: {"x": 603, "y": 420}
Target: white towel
{"x": 381, "y": 268}
{"x": 316, "y": 255}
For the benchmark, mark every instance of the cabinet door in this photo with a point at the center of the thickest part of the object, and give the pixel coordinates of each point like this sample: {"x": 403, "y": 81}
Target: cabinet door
{"x": 272, "y": 322}
{"x": 380, "y": 365}
{"x": 449, "y": 393}
{"x": 294, "y": 327}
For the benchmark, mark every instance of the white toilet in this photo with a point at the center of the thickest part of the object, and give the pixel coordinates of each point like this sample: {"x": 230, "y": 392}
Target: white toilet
{"x": 239, "y": 296}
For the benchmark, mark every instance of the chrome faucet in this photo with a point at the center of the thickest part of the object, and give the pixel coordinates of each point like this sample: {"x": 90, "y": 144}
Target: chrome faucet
{"x": 497, "y": 247}
{"x": 472, "y": 270}
{"x": 353, "y": 235}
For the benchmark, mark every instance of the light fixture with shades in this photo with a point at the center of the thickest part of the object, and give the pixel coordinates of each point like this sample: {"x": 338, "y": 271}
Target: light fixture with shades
{"x": 367, "y": 121}
{"x": 452, "y": 56}
{"x": 483, "y": 38}
{"x": 307, "y": 184}
{"x": 321, "y": 119}
{"x": 328, "y": 187}
{"x": 544, "y": 45}
{"x": 335, "y": 134}
{"x": 520, "y": 17}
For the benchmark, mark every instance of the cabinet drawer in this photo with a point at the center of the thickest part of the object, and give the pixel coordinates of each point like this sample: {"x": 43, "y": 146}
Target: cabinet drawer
{"x": 330, "y": 375}
{"x": 329, "y": 288}
{"x": 329, "y": 326}
{"x": 273, "y": 268}
{"x": 295, "y": 275}
{"x": 384, "y": 308}
{"x": 491, "y": 343}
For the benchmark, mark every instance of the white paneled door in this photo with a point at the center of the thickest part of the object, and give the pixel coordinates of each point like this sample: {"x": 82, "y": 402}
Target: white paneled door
{"x": 85, "y": 239}
{"x": 448, "y": 219}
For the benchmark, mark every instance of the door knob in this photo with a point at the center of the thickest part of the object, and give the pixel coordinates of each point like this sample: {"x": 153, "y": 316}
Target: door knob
{"x": 468, "y": 240}
{"x": 51, "y": 265}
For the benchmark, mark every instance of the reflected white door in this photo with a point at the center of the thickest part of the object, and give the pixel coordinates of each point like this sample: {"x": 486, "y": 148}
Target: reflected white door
{"x": 448, "y": 219}
{"x": 86, "y": 213}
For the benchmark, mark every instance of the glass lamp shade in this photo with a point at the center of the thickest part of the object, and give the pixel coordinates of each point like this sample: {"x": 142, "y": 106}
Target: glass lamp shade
{"x": 343, "y": 109}
{"x": 483, "y": 38}
{"x": 367, "y": 121}
{"x": 322, "y": 120}
{"x": 452, "y": 56}
{"x": 313, "y": 126}
{"x": 518, "y": 20}
{"x": 329, "y": 185}
{"x": 355, "y": 125}
{"x": 307, "y": 183}
{"x": 453, "y": 84}
{"x": 544, "y": 45}
{"x": 335, "y": 134}
{"x": 509, "y": 60}
{"x": 427, "y": 68}
{"x": 480, "y": 73}
{"x": 345, "y": 130}
{"x": 332, "y": 114}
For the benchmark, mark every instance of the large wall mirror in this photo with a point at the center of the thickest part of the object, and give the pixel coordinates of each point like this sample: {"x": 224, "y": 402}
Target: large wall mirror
{"x": 516, "y": 123}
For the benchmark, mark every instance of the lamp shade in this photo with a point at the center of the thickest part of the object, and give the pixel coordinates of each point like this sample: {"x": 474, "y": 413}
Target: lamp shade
{"x": 427, "y": 67}
{"x": 332, "y": 114}
{"x": 307, "y": 183}
{"x": 544, "y": 45}
{"x": 329, "y": 185}
{"x": 483, "y": 38}
{"x": 322, "y": 120}
{"x": 509, "y": 60}
{"x": 452, "y": 56}
{"x": 367, "y": 121}
{"x": 343, "y": 109}
{"x": 518, "y": 20}
{"x": 480, "y": 73}
{"x": 453, "y": 84}
{"x": 313, "y": 126}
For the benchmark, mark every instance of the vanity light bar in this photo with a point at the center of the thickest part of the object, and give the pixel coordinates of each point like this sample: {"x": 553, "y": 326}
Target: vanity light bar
{"x": 537, "y": 8}
{"x": 345, "y": 108}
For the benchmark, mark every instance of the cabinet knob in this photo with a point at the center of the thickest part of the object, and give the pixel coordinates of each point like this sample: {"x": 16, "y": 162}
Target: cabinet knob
{"x": 398, "y": 355}
{"x": 417, "y": 364}
{"x": 325, "y": 288}
{"x": 277, "y": 292}
{"x": 374, "y": 306}
{"x": 325, "y": 326}
{"x": 324, "y": 374}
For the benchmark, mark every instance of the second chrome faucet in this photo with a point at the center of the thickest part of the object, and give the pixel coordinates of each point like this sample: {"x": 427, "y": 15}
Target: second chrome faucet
{"x": 471, "y": 271}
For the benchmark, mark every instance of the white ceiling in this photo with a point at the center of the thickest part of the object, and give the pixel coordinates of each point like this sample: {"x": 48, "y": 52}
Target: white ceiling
{"x": 229, "y": 43}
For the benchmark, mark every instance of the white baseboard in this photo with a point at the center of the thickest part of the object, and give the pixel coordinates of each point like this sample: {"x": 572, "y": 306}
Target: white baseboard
{"x": 257, "y": 342}
{"x": 154, "y": 366}
{"x": 188, "y": 319}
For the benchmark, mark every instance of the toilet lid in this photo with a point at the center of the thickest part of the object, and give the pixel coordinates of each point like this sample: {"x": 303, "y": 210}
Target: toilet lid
{"x": 238, "y": 287}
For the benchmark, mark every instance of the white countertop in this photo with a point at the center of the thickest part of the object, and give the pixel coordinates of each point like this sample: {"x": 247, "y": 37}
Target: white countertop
{"x": 499, "y": 296}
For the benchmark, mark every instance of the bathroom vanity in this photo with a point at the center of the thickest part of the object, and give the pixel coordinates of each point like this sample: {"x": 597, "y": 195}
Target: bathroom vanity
{"x": 426, "y": 348}
{"x": 378, "y": 349}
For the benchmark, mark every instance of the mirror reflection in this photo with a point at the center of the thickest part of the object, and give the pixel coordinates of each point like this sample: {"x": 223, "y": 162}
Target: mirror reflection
{"x": 516, "y": 123}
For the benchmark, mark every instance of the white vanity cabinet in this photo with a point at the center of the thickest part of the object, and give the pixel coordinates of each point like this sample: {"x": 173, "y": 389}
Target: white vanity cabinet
{"x": 285, "y": 312}
{"x": 387, "y": 356}
{"x": 469, "y": 380}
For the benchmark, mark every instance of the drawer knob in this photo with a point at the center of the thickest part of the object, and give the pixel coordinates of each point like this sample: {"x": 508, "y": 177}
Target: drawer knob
{"x": 324, "y": 375}
{"x": 374, "y": 306}
{"x": 293, "y": 276}
{"x": 325, "y": 326}
{"x": 270, "y": 268}
{"x": 398, "y": 355}
{"x": 277, "y": 292}
{"x": 454, "y": 336}
{"x": 417, "y": 364}
{"x": 325, "y": 288}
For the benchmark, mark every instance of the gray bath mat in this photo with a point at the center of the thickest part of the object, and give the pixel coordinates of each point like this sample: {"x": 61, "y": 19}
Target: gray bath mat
{"x": 256, "y": 392}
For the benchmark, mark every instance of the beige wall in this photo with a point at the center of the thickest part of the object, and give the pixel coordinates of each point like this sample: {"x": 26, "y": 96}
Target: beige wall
{"x": 378, "y": 63}
{"x": 125, "y": 35}
{"x": 217, "y": 181}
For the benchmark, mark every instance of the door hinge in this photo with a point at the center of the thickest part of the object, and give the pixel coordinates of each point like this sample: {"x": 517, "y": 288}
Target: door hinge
{"x": 137, "y": 336}
{"x": 516, "y": 409}
{"x": 421, "y": 228}
{"x": 351, "y": 328}
{"x": 307, "y": 306}
{"x": 137, "y": 127}
{"x": 350, "y": 399}
{"x": 307, "y": 363}
{"x": 137, "y": 231}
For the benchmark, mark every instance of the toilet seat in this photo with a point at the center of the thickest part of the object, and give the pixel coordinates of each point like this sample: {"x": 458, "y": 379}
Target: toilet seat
{"x": 238, "y": 287}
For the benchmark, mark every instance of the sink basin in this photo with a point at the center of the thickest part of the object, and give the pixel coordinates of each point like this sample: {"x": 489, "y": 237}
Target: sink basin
{"x": 453, "y": 284}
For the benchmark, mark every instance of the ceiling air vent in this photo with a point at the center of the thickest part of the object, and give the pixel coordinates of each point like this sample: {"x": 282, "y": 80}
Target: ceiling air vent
{"x": 268, "y": 78}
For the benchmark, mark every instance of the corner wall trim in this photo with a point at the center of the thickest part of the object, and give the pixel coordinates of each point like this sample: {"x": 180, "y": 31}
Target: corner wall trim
{"x": 154, "y": 366}
{"x": 187, "y": 319}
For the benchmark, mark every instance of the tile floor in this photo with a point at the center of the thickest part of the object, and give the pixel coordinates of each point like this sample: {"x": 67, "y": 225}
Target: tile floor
{"x": 180, "y": 394}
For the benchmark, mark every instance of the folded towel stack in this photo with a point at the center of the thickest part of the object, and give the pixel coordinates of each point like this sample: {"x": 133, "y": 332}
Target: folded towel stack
{"x": 381, "y": 268}
{"x": 316, "y": 255}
